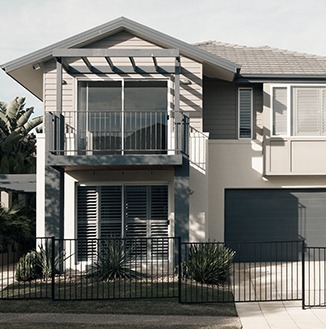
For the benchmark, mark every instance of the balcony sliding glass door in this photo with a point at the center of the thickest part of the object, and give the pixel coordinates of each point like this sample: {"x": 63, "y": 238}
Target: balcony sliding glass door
{"x": 122, "y": 117}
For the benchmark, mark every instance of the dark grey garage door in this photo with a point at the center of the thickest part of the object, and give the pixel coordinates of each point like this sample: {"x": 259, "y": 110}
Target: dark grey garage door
{"x": 276, "y": 215}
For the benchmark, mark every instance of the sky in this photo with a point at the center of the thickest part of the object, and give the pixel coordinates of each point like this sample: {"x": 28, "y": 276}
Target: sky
{"x": 28, "y": 25}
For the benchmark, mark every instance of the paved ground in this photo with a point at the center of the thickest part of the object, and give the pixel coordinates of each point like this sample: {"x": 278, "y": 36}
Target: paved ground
{"x": 115, "y": 320}
{"x": 280, "y": 315}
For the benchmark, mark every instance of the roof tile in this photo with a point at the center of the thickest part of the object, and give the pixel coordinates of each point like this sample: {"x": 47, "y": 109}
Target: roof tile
{"x": 266, "y": 60}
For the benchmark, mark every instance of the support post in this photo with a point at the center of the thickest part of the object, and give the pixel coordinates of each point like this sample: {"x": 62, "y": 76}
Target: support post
{"x": 181, "y": 200}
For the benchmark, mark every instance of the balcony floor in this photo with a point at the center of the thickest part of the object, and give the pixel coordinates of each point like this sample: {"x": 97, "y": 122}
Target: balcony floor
{"x": 81, "y": 162}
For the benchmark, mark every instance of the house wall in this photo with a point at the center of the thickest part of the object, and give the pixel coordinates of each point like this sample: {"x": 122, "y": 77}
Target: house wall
{"x": 240, "y": 164}
{"x": 220, "y": 107}
{"x": 190, "y": 103}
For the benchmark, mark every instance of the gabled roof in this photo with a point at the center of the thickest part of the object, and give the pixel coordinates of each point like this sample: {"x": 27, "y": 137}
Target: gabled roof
{"x": 24, "y": 64}
{"x": 268, "y": 62}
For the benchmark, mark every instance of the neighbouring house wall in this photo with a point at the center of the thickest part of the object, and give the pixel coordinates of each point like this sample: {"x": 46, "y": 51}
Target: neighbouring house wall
{"x": 6, "y": 199}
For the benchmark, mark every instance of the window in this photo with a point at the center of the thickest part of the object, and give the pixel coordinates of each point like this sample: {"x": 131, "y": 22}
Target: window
{"x": 298, "y": 110}
{"x": 245, "y": 112}
{"x": 122, "y": 116}
{"x": 131, "y": 211}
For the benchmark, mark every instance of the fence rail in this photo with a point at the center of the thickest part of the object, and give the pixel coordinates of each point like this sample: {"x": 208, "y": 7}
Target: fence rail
{"x": 165, "y": 268}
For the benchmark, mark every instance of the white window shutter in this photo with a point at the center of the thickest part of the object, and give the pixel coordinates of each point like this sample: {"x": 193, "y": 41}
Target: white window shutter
{"x": 307, "y": 107}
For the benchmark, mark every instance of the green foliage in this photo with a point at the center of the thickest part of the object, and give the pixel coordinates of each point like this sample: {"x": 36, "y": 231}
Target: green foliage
{"x": 38, "y": 264}
{"x": 17, "y": 144}
{"x": 112, "y": 261}
{"x": 28, "y": 267}
{"x": 208, "y": 263}
{"x": 17, "y": 225}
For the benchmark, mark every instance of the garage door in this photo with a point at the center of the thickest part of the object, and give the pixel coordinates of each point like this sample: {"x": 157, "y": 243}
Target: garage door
{"x": 276, "y": 215}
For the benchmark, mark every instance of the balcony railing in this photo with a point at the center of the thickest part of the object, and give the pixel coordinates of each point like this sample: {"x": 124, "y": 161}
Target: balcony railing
{"x": 117, "y": 133}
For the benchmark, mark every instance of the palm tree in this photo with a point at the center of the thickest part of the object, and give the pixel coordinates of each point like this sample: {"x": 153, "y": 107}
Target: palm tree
{"x": 17, "y": 144}
{"x": 17, "y": 225}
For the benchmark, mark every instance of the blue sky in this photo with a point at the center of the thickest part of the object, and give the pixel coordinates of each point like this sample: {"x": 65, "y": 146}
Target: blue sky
{"x": 27, "y": 26}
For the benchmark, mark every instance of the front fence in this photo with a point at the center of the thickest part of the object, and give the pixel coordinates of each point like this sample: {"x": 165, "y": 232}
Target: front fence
{"x": 114, "y": 268}
{"x": 198, "y": 272}
{"x": 241, "y": 272}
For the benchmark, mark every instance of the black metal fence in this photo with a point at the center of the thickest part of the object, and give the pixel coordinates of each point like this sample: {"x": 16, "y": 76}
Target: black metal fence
{"x": 196, "y": 272}
{"x": 73, "y": 269}
{"x": 242, "y": 272}
{"x": 314, "y": 277}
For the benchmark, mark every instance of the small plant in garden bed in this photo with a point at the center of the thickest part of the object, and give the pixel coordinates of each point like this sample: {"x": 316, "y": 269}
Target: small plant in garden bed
{"x": 208, "y": 263}
{"x": 37, "y": 264}
{"x": 113, "y": 262}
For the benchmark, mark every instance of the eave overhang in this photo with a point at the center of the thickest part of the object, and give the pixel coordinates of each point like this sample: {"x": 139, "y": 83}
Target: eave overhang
{"x": 265, "y": 78}
{"x": 23, "y": 72}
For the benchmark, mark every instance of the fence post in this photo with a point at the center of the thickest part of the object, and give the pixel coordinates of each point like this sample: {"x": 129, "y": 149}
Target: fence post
{"x": 179, "y": 268}
{"x": 52, "y": 268}
{"x": 303, "y": 273}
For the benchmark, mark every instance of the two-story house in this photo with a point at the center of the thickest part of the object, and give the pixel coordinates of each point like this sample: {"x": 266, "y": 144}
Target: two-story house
{"x": 148, "y": 136}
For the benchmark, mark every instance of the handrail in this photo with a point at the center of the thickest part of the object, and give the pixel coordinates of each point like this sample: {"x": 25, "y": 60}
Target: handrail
{"x": 108, "y": 132}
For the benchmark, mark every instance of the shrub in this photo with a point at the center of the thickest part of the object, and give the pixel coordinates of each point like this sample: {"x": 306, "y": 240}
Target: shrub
{"x": 37, "y": 264}
{"x": 112, "y": 261}
{"x": 208, "y": 263}
{"x": 28, "y": 267}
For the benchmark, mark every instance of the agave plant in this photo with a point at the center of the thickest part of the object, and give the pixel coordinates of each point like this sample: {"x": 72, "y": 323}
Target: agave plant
{"x": 209, "y": 262}
{"x": 113, "y": 261}
{"x": 17, "y": 144}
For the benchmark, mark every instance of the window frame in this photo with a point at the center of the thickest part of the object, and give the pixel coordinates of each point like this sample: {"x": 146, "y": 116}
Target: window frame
{"x": 251, "y": 113}
{"x": 169, "y": 96}
{"x": 291, "y": 129}
{"x": 123, "y": 185}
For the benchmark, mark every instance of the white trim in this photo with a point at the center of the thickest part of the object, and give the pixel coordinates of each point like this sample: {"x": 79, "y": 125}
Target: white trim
{"x": 288, "y": 104}
{"x": 290, "y": 116}
{"x": 251, "y": 112}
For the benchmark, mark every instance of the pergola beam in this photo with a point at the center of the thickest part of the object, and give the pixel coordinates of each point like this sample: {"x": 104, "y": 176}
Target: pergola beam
{"x": 95, "y": 52}
{"x": 87, "y": 63}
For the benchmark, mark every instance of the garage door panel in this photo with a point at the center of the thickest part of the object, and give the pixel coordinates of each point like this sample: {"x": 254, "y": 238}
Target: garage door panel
{"x": 276, "y": 215}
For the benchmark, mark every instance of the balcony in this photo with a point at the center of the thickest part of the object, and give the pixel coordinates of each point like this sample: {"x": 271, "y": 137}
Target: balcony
{"x": 295, "y": 156}
{"x": 116, "y": 138}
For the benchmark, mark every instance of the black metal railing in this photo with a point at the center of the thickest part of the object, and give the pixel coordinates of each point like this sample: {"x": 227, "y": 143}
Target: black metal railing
{"x": 116, "y": 133}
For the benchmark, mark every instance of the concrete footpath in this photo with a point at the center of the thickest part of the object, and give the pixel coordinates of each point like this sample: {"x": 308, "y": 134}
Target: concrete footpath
{"x": 280, "y": 315}
{"x": 114, "y": 320}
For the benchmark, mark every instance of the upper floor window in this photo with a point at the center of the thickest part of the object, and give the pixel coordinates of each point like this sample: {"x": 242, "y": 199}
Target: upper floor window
{"x": 123, "y": 116}
{"x": 245, "y": 112}
{"x": 299, "y": 111}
